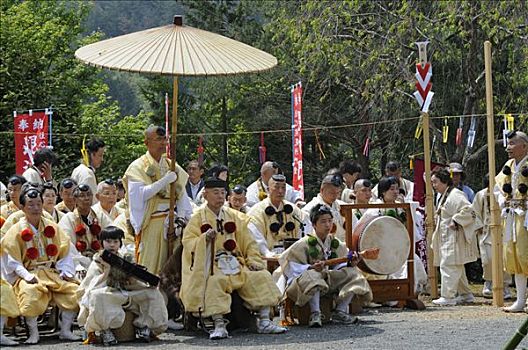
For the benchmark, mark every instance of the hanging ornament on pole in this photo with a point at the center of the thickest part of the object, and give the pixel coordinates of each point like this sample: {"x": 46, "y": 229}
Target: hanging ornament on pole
{"x": 262, "y": 149}
{"x": 458, "y": 138}
{"x": 472, "y": 132}
{"x": 445, "y": 131}
{"x": 509, "y": 125}
{"x": 200, "y": 150}
{"x": 319, "y": 147}
{"x": 366, "y": 147}
{"x": 424, "y": 72}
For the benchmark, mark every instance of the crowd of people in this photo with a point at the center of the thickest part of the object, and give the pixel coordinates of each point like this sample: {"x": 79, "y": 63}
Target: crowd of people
{"x": 56, "y": 237}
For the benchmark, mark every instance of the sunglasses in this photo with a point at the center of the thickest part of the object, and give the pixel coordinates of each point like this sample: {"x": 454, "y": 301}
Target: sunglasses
{"x": 110, "y": 182}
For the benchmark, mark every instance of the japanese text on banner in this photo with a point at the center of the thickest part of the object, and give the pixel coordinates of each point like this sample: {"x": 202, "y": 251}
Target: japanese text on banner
{"x": 31, "y": 134}
{"x": 298, "y": 182}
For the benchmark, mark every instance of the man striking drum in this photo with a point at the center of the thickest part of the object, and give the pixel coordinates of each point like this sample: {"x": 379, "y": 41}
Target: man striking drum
{"x": 308, "y": 276}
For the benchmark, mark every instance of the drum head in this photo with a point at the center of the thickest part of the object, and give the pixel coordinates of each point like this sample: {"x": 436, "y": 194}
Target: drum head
{"x": 391, "y": 236}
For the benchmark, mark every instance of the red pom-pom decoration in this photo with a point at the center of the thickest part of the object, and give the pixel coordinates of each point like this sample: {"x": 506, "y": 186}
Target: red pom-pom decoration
{"x": 26, "y": 234}
{"x": 230, "y": 245}
{"x": 95, "y": 229}
{"x": 2, "y": 221}
{"x": 230, "y": 227}
{"x": 51, "y": 250}
{"x": 80, "y": 230}
{"x": 32, "y": 253}
{"x": 81, "y": 246}
{"x": 205, "y": 227}
{"x": 96, "y": 245}
{"x": 49, "y": 231}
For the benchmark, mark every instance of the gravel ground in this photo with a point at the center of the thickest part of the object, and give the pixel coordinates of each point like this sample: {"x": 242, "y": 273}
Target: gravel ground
{"x": 477, "y": 326}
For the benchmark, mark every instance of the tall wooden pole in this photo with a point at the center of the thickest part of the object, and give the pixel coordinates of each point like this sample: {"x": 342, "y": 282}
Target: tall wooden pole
{"x": 429, "y": 216}
{"x": 495, "y": 225}
{"x": 174, "y": 129}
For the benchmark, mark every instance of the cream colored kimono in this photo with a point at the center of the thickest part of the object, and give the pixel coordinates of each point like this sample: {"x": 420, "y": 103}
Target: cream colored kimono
{"x": 103, "y": 307}
{"x": 149, "y": 215}
{"x": 210, "y": 294}
{"x": 303, "y": 283}
{"x": 83, "y": 174}
{"x": 33, "y": 298}
{"x": 100, "y": 212}
{"x": 260, "y": 225}
{"x": 455, "y": 247}
{"x": 514, "y": 218}
{"x": 481, "y": 207}
{"x": 7, "y": 209}
{"x": 69, "y": 224}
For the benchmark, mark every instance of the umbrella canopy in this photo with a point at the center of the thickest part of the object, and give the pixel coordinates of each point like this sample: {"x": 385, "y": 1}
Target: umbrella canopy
{"x": 176, "y": 50}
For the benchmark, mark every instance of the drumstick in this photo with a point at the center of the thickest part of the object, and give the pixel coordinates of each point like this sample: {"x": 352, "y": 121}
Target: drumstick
{"x": 369, "y": 254}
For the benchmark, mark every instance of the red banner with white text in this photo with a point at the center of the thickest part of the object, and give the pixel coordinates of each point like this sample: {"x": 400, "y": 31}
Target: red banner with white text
{"x": 31, "y": 134}
{"x": 298, "y": 182}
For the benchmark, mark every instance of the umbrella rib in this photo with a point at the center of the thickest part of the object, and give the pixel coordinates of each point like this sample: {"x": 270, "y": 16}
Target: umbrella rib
{"x": 143, "y": 58}
{"x": 122, "y": 53}
{"x": 204, "y": 48}
{"x": 193, "y": 48}
{"x": 157, "y": 51}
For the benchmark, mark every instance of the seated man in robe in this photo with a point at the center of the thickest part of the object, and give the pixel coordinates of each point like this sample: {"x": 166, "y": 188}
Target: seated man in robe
{"x": 330, "y": 189}
{"x": 274, "y": 219}
{"x": 308, "y": 277}
{"x": 83, "y": 226}
{"x": 219, "y": 257}
{"x": 107, "y": 199}
{"x": 39, "y": 266}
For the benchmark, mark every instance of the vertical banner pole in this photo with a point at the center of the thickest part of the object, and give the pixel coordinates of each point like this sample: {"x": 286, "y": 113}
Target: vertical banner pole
{"x": 495, "y": 225}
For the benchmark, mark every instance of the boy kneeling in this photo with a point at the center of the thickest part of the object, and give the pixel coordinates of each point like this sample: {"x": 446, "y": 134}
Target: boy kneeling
{"x": 107, "y": 293}
{"x": 308, "y": 277}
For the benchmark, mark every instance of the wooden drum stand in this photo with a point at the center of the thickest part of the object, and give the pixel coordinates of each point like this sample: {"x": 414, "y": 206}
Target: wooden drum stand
{"x": 401, "y": 290}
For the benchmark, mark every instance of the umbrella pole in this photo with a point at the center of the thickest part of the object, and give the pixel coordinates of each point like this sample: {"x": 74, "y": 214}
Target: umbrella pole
{"x": 174, "y": 129}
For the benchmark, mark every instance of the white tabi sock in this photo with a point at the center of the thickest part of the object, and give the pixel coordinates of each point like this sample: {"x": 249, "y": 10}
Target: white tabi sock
{"x": 344, "y": 304}
{"x": 314, "y": 302}
{"x": 264, "y": 313}
{"x": 520, "y": 285}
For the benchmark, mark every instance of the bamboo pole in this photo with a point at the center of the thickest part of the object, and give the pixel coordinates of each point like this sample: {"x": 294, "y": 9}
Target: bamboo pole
{"x": 174, "y": 129}
{"x": 495, "y": 225}
{"x": 429, "y": 216}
